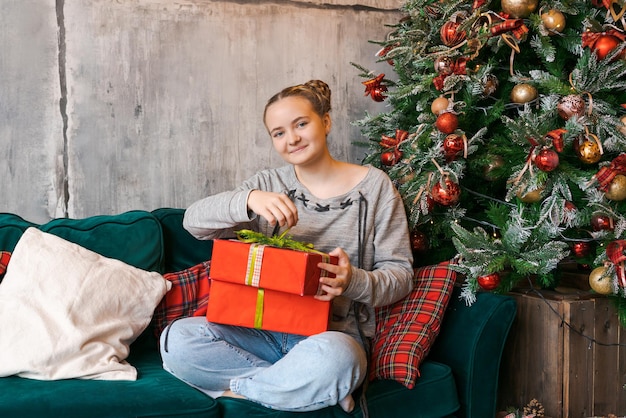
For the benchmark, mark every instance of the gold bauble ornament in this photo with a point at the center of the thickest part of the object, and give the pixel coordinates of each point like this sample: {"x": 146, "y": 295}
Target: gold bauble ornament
{"x": 532, "y": 196}
{"x": 617, "y": 188}
{"x": 589, "y": 152}
{"x": 600, "y": 282}
{"x": 523, "y": 93}
{"x": 553, "y": 20}
{"x": 622, "y": 128}
{"x": 519, "y": 9}
{"x": 439, "y": 105}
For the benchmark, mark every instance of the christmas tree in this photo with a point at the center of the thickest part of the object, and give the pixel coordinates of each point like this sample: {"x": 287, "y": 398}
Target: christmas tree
{"x": 505, "y": 134}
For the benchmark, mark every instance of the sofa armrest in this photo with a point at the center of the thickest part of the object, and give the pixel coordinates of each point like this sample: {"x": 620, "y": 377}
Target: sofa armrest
{"x": 471, "y": 342}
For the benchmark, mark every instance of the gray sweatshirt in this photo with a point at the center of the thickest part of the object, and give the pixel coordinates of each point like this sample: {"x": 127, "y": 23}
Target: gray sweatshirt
{"x": 369, "y": 223}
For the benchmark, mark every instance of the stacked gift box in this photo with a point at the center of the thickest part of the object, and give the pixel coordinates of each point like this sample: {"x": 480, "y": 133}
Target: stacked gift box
{"x": 264, "y": 287}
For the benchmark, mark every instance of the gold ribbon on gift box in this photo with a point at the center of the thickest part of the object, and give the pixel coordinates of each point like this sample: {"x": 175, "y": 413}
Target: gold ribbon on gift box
{"x": 255, "y": 259}
{"x": 253, "y": 277}
{"x": 258, "y": 313}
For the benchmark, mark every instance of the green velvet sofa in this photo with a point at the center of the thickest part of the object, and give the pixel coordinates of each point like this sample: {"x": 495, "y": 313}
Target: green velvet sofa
{"x": 458, "y": 378}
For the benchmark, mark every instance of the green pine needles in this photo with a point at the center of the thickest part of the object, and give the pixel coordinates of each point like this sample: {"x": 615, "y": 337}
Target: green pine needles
{"x": 279, "y": 241}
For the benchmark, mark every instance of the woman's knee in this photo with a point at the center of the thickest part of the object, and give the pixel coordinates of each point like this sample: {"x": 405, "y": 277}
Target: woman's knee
{"x": 177, "y": 339}
{"x": 344, "y": 349}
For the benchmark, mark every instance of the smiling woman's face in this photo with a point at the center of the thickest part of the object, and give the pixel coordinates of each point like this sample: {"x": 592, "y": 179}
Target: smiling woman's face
{"x": 298, "y": 133}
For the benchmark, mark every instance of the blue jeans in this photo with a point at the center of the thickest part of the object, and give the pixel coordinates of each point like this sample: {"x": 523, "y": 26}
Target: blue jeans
{"x": 280, "y": 371}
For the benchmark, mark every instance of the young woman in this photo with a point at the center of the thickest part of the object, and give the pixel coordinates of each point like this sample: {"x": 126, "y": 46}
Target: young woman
{"x": 350, "y": 211}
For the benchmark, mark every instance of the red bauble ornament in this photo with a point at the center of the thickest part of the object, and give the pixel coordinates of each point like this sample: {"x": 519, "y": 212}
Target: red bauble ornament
{"x": 489, "y": 281}
{"x": 375, "y": 88}
{"x": 447, "y": 122}
{"x": 449, "y": 35}
{"x": 601, "y": 222}
{"x": 547, "y": 160}
{"x": 452, "y": 145}
{"x": 581, "y": 249}
{"x": 390, "y": 158}
{"x": 419, "y": 241}
{"x": 385, "y": 50}
{"x": 447, "y": 194}
{"x": 604, "y": 45}
{"x": 378, "y": 94}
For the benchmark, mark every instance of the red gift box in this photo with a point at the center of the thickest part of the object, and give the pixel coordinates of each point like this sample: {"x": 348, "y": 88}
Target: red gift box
{"x": 268, "y": 267}
{"x": 271, "y": 310}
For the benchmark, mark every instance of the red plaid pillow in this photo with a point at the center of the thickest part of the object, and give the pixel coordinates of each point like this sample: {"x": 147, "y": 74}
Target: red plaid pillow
{"x": 188, "y": 296}
{"x": 4, "y": 262}
{"x": 406, "y": 330}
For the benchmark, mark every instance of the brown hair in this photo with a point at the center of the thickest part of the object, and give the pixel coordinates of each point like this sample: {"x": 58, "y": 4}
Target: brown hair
{"x": 315, "y": 91}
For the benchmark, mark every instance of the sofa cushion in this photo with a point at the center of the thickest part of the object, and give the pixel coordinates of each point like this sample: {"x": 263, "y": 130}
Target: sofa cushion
{"x": 155, "y": 394}
{"x": 434, "y": 396}
{"x": 68, "y": 312}
{"x": 134, "y": 237}
{"x": 406, "y": 330}
{"x": 189, "y": 296}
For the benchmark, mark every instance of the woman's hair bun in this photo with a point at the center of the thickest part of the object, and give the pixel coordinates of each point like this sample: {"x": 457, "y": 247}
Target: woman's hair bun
{"x": 322, "y": 92}
{"x": 315, "y": 91}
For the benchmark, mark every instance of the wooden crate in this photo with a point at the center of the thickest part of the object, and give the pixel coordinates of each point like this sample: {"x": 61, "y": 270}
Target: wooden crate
{"x": 552, "y": 362}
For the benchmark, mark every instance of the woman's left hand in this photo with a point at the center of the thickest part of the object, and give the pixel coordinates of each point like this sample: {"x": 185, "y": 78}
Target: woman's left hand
{"x": 335, "y": 286}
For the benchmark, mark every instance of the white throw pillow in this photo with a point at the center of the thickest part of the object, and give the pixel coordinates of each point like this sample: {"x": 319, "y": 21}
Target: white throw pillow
{"x": 68, "y": 312}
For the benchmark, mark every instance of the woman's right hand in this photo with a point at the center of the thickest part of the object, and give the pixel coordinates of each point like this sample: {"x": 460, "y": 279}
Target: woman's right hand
{"x": 274, "y": 207}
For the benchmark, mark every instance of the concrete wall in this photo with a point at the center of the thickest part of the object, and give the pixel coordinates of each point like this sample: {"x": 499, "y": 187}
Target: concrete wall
{"x": 108, "y": 106}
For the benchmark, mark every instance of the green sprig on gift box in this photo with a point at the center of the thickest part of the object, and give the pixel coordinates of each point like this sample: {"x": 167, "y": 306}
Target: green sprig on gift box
{"x": 279, "y": 241}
